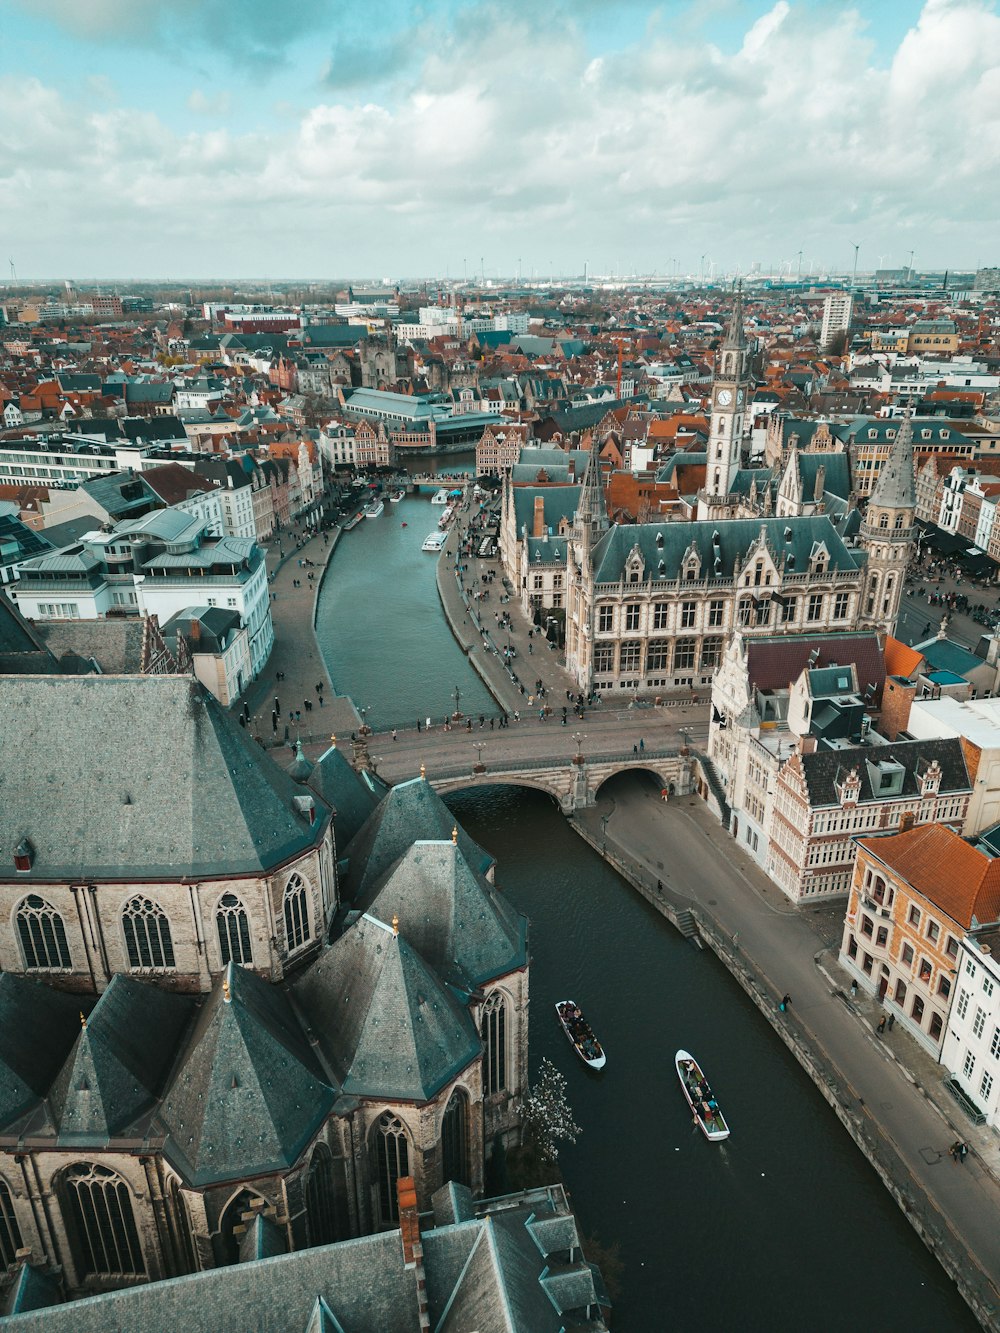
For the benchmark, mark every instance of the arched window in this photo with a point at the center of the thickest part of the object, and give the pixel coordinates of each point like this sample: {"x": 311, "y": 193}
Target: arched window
{"x": 883, "y": 520}
{"x": 147, "y": 934}
{"x": 455, "y": 1140}
{"x": 182, "y": 1221}
{"x": 234, "y": 931}
{"x": 296, "y": 911}
{"x": 10, "y": 1232}
{"x": 494, "y": 1034}
{"x": 105, "y": 1240}
{"x": 42, "y": 933}
{"x": 321, "y": 1202}
{"x": 391, "y": 1154}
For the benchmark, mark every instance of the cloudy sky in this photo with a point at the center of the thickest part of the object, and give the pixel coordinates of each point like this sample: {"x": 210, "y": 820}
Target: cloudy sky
{"x": 324, "y": 138}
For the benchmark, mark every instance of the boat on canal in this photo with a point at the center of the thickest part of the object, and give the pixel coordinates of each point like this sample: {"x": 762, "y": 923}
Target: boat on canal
{"x": 440, "y": 497}
{"x": 396, "y": 496}
{"x": 580, "y": 1034}
{"x": 352, "y": 522}
{"x": 700, "y": 1098}
{"x": 374, "y": 510}
{"x": 434, "y": 541}
{"x": 445, "y": 518}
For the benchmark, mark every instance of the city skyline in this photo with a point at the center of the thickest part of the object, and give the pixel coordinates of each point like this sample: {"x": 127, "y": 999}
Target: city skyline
{"x": 462, "y": 138}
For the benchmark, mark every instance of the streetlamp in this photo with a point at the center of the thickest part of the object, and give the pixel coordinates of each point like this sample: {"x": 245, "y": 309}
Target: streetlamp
{"x": 684, "y": 738}
{"x": 456, "y": 715}
{"x": 479, "y": 766}
{"x": 364, "y": 729}
{"x": 578, "y": 757}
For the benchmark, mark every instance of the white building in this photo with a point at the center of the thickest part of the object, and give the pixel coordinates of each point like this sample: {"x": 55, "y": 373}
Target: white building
{"x": 836, "y": 316}
{"x": 977, "y": 722}
{"x": 971, "y": 1050}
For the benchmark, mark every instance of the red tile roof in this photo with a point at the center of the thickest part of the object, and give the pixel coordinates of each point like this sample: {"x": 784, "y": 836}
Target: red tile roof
{"x": 773, "y": 664}
{"x": 939, "y": 864}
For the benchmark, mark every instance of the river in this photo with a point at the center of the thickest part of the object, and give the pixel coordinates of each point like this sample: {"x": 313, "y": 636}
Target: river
{"x": 785, "y": 1226}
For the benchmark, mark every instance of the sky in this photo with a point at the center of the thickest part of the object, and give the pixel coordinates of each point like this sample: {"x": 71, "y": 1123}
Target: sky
{"x": 444, "y": 138}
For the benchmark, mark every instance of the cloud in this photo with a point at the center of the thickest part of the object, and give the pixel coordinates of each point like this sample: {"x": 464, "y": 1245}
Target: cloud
{"x": 208, "y": 104}
{"x": 500, "y": 133}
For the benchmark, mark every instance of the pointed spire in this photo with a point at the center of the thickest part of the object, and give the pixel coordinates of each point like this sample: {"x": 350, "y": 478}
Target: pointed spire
{"x": 896, "y": 487}
{"x": 735, "y": 337}
{"x": 591, "y": 510}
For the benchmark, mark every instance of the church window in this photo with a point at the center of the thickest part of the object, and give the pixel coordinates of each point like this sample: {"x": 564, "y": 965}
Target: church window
{"x": 684, "y": 655}
{"x": 102, "y": 1223}
{"x": 814, "y": 610}
{"x": 296, "y": 912}
{"x": 688, "y": 612}
{"x": 632, "y": 616}
{"x": 840, "y": 605}
{"x": 392, "y": 1160}
{"x": 716, "y": 613}
{"x": 42, "y": 934}
{"x": 711, "y": 652}
{"x": 10, "y": 1232}
{"x": 630, "y": 653}
{"x": 183, "y": 1220}
{"x": 605, "y": 619}
{"x": 493, "y": 1031}
{"x": 321, "y": 1203}
{"x": 661, "y": 612}
{"x": 234, "y": 931}
{"x": 455, "y": 1140}
{"x": 658, "y": 655}
{"x": 147, "y": 934}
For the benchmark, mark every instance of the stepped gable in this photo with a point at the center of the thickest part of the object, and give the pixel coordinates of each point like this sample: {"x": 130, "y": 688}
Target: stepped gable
{"x": 38, "y": 1026}
{"x": 353, "y": 796}
{"x": 387, "y": 1025}
{"x": 249, "y": 1093}
{"x": 121, "y": 1057}
{"x": 154, "y": 780}
{"x": 721, "y": 545}
{"x": 455, "y": 919}
{"x": 412, "y": 810}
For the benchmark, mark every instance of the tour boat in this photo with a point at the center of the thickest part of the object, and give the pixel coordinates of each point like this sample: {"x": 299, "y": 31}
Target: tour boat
{"x": 440, "y": 497}
{"x": 374, "y": 510}
{"x": 445, "y": 518}
{"x": 434, "y": 541}
{"x": 396, "y": 496}
{"x": 700, "y": 1098}
{"x": 352, "y": 522}
{"x": 580, "y": 1034}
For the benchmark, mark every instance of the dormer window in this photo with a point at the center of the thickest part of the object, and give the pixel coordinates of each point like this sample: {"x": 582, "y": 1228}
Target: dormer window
{"x": 659, "y": 540}
{"x": 24, "y": 855}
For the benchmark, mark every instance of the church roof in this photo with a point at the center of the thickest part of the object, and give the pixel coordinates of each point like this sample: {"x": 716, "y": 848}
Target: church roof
{"x": 352, "y": 795}
{"x": 412, "y": 810}
{"x": 387, "y": 1025}
{"x": 119, "y": 1061}
{"x": 38, "y": 1026}
{"x": 249, "y": 1093}
{"x": 455, "y": 919}
{"x": 154, "y": 780}
{"x": 721, "y": 544}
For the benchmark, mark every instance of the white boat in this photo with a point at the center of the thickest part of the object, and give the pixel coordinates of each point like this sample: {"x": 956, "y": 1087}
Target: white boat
{"x": 580, "y": 1034}
{"x": 434, "y": 541}
{"x": 374, "y": 510}
{"x": 445, "y": 518}
{"x": 700, "y": 1098}
{"x": 396, "y": 496}
{"x": 440, "y": 497}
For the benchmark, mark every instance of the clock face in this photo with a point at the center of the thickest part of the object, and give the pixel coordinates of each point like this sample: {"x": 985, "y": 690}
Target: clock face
{"x": 725, "y": 398}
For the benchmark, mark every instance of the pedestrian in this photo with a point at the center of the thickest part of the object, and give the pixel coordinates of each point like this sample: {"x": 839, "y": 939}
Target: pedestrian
{"x": 892, "y": 1021}
{"x": 491, "y": 724}
{"x": 277, "y": 706}
{"x": 881, "y": 1025}
{"x": 659, "y": 886}
{"x": 854, "y": 990}
{"x": 394, "y": 733}
{"x": 642, "y": 745}
{"x": 635, "y": 749}
{"x": 418, "y": 726}
{"x": 786, "y": 1002}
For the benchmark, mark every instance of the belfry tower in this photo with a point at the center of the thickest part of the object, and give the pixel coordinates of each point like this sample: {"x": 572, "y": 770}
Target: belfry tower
{"x": 887, "y": 534}
{"x": 729, "y": 391}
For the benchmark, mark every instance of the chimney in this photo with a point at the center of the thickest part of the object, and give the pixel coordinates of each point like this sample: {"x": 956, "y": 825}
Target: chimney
{"x": 413, "y": 1250}
{"x": 538, "y": 521}
{"x": 906, "y": 821}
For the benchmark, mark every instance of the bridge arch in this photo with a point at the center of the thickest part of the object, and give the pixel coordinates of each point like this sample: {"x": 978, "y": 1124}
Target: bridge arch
{"x": 665, "y": 776}
{"x": 448, "y": 786}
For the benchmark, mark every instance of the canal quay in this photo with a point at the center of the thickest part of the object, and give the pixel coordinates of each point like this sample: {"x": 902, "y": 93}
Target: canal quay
{"x": 784, "y": 1223}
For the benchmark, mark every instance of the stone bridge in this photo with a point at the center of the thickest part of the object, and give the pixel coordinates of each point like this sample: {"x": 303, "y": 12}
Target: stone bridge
{"x": 574, "y": 783}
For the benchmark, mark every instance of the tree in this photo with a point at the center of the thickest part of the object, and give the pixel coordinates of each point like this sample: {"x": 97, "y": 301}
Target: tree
{"x": 547, "y": 1115}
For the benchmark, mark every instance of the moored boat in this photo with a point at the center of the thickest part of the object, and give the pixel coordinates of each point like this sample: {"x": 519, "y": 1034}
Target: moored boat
{"x": 434, "y": 541}
{"x": 700, "y": 1098}
{"x": 396, "y": 496}
{"x": 445, "y": 518}
{"x": 352, "y": 522}
{"x": 580, "y": 1034}
{"x": 374, "y": 510}
{"x": 440, "y": 497}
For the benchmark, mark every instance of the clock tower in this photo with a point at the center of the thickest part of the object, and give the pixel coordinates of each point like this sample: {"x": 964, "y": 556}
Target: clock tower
{"x": 729, "y": 390}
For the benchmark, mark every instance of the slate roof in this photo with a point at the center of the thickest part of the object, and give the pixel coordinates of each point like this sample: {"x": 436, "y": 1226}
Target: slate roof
{"x": 560, "y": 503}
{"x": 896, "y": 485}
{"x": 729, "y": 539}
{"x": 960, "y": 879}
{"x": 774, "y": 662}
{"x": 825, "y": 768}
{"x": 119, "y": 1061}
{"x": 116, "y": 645}
{"x": 456, "y": 920}
{"x": 410, "y": 811}
{"x": 249, "y": 1093}
{"x": 386, "y": 1024}
{"x": 154, "y": 780}
{"x": 38, "y": 1026}
{"x": 352, "y": 795}
{"x": 19, "y": 542}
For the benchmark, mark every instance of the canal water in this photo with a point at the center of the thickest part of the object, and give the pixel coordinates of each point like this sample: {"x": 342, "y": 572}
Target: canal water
{"x": 783, "y": 1227}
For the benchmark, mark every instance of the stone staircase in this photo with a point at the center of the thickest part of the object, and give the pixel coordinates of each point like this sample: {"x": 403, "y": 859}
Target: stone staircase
{"x": 715, "y": 786}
